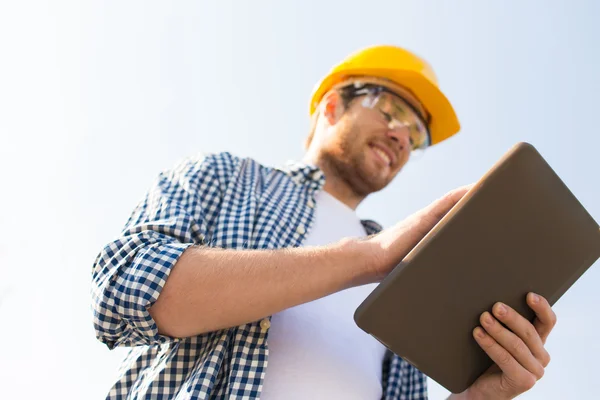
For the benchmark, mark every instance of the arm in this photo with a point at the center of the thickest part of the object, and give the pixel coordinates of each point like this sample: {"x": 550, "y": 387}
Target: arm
{"x": 158, "y": 280}
{"x": 130, "y": 271}
{"x": 211, "y": 289}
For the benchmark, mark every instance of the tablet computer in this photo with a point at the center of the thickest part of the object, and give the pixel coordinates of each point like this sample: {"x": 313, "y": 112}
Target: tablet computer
{"x": 519, "y": 229}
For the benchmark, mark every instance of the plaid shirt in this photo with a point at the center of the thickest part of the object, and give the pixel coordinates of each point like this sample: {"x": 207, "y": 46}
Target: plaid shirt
{"x": 211, "y": 200}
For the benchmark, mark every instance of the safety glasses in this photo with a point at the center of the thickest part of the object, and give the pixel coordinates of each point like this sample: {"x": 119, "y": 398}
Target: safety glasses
{"x": 394, "y": 111}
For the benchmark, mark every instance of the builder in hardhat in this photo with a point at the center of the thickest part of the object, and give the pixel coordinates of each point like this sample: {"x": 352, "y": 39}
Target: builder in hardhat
{"x": 236, "y": 280}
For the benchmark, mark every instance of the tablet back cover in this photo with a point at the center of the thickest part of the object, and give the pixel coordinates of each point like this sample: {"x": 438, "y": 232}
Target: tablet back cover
{"x": 519, "y": 229}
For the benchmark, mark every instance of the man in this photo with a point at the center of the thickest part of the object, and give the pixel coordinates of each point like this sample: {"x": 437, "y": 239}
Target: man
{"x": 236, "y": 280}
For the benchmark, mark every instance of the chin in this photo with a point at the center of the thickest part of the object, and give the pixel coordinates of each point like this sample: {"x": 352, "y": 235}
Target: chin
{"x": 378, "y": 178}
{"x": 371, "y": 182}
{"x": 377, "y": 186}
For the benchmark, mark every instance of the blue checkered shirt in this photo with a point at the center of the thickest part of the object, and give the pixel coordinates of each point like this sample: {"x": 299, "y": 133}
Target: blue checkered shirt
{"x": 208, "y": 200}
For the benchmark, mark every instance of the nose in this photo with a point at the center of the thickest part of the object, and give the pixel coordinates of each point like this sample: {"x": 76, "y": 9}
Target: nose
{"x": 400, "y": 135}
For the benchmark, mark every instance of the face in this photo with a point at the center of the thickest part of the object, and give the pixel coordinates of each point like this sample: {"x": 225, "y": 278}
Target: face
{"x": 361, "y": 146}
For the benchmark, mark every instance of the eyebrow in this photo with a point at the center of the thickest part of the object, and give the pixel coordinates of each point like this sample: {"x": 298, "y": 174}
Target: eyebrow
{"x": 399, "y": 108}
{"x": 409, "y": 105}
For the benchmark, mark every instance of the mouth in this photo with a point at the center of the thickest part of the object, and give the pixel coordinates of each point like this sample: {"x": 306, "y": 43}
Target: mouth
{"x": 385, "y": 155}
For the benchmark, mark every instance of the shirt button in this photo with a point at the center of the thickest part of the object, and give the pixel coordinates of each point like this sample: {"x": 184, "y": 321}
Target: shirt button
{"x": 265, "y": 324}
{"x": 301, "y": 230}
{"x": 311, "y": 203}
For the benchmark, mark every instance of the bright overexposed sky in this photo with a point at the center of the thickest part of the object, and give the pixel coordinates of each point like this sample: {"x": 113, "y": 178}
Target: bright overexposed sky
{"x": 97, "y": 97}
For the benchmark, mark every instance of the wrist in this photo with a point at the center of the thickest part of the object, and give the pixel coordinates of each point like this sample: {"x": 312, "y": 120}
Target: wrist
{"x": 364, "y": 260}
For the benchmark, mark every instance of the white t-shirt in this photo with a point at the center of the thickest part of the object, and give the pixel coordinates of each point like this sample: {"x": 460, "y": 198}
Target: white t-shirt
{"x": 316, "y": 351}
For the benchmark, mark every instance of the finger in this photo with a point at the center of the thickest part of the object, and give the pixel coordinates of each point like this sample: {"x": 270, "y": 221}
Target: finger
{"x": 546, "y": 318}
{"x": 522, "y": 328}
{"x": 513, "y": 344}
{"x": 514, "y": 371}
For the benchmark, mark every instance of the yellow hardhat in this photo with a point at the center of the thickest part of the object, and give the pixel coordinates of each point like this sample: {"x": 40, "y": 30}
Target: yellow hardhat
{"x": 403, "y": 68}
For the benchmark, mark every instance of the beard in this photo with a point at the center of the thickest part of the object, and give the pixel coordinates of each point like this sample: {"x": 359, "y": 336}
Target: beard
{"x": 348, "y": 161}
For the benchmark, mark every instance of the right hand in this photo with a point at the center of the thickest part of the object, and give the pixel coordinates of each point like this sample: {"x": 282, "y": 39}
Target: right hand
{"x": 391, "y": 245}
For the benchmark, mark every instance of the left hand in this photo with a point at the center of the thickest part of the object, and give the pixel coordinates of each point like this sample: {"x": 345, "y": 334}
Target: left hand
{"x": 519, "y": 354}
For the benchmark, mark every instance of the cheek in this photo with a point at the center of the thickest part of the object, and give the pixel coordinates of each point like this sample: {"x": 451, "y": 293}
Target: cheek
{"x": 360, "y": 132}
{"x": 348, "y": 137}
{"x": 351, "y": 137}
{"x": 356, "y": 142}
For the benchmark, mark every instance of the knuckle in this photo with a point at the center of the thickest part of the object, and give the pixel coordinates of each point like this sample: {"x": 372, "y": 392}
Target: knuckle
{"x": 539, "y": 372}
{"x": 522, "y": 383}
{"x": 504, "y": 358}
{"x": 517, "y": 346}
{"x": 452, "y": 194}
{"x": 451, "y": 197}
{"x": 528, "y": 382}
{"x": 487, "y": 344}
{"x": 530, "y": 333}
{"x": 513, "y": 386}
{"x": 545, "y": 359}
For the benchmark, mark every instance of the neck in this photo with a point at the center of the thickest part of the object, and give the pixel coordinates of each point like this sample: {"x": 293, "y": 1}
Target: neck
{"x": 335, "y": 185}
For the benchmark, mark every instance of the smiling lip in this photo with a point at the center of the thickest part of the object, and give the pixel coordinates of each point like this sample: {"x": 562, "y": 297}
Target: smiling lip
{"x": 386, "y": 151}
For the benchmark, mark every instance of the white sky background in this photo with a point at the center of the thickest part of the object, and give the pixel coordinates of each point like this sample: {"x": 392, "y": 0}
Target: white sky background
{"x": 97, "y": 97}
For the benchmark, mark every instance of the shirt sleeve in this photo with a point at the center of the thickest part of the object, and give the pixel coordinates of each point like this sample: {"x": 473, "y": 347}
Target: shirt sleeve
{"x": 401, "y": 380}
{"x": 130, "y": 271}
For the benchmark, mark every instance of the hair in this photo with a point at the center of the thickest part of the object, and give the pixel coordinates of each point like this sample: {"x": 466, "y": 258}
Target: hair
{"x": 346, "y": 94}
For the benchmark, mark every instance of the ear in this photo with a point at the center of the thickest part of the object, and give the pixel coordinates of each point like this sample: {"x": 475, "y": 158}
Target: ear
{"x": 332, "y": 107}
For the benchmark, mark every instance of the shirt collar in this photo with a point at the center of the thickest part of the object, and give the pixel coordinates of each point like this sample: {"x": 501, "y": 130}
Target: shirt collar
{"x": 312, "y": 176}
{"x": 304, "y": 174}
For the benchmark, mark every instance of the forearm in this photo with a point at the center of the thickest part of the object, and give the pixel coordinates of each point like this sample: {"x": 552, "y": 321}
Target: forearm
{"x": 210, "y": 289}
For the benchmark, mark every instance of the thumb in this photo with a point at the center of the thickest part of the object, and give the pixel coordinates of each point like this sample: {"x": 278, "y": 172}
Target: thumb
{"x": 441, "y": 206}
